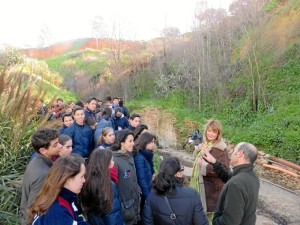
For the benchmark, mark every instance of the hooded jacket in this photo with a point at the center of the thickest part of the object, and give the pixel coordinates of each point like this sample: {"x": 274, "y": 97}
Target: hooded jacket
{"x": 127, "y": 186}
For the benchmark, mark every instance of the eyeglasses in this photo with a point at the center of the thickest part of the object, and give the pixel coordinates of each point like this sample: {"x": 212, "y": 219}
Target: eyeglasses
{"x": 182, "y": 169}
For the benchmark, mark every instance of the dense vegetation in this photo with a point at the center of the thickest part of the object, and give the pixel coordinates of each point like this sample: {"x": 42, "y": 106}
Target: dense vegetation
{"x": 20, "y": 93}
{"x": 242, "y": 69}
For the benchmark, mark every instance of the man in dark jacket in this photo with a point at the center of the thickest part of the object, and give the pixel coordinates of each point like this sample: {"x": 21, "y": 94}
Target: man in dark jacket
{"x": 81, "y": 134}
{"x": 45, "y": 143}
{"x": 90, "y": 110}
{"x": 240, "y": 193}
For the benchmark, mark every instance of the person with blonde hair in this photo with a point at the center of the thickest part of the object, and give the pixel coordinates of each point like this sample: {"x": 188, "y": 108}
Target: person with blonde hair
{"x": 204, "y": 179}
{"x": 107, "y": 137}
{"x": 55, "y": 203}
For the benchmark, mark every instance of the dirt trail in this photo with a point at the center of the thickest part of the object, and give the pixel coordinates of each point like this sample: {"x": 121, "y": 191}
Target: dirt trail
{"x": 276, "y": 205}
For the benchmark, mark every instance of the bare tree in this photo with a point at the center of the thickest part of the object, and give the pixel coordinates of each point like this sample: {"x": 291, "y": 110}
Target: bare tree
{"x": 99, "y": 29}
{"x": 44, "y": 38}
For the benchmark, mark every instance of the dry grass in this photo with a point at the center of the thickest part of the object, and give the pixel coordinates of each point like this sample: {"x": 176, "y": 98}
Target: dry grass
{"x": 18, "y": 120}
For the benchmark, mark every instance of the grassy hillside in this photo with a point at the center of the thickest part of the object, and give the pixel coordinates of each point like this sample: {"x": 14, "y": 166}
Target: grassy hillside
{"x": 90, "y": 61}
{"x": 275, "y": 127}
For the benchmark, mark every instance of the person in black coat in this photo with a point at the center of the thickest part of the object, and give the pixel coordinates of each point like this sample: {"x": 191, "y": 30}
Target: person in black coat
{"x": 184, "y": 201}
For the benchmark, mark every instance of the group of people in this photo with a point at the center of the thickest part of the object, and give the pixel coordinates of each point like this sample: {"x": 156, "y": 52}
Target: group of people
{"x": 106, "y": 175}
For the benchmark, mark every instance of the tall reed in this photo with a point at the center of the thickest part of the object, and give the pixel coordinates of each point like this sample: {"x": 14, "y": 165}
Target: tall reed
{"x": 19, "y": 97}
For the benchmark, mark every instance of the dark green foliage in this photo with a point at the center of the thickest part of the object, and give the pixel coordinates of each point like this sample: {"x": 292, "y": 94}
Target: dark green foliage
{"x": 274, "y": 129}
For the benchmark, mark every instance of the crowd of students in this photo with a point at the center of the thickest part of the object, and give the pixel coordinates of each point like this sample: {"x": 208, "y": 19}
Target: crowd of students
{"x": 98, "y": 168}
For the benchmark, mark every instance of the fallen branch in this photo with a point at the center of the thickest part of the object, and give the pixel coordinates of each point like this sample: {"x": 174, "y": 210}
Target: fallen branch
{"x": 285, "y": 162}
{"x": 281, "y": 170}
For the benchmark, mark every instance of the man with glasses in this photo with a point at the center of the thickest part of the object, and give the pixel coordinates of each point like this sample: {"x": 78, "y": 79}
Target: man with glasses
{"x": 238, "y": 199}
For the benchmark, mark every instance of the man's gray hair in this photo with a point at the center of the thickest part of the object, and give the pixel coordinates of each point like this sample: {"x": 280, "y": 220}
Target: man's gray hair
{"x": 250, "y": 151}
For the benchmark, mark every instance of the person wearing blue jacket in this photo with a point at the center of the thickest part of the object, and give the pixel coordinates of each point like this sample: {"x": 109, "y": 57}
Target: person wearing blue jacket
{"x": 99, "y": 197}
{"x": 120, "y": 121}
{"x": 143, "y": 160}
{"x": 67, "y": 120}
{"x": 55, "y": 204}
{"x": 81, "y": 134}
{"x": 107, "y": 138}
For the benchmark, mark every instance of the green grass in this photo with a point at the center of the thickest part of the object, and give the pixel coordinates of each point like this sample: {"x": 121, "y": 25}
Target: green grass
{"x": 61, "y": 93}
{"x": 92, "y": 62}
{"x": 271, "y": 5}
{"x": 55, "y": 62}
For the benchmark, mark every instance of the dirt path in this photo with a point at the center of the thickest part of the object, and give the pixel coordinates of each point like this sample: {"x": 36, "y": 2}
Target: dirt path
{"x": 276, "y": 205}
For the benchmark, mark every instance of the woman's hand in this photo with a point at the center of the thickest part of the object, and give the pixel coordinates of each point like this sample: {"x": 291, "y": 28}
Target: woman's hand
{"x": 208, "y": 157}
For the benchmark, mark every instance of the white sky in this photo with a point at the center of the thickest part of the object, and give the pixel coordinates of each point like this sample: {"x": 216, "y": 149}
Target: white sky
{"x": 21, "y": 20}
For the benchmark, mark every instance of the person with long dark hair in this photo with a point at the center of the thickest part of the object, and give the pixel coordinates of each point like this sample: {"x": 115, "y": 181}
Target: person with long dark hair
{"x": 170, "y": 202}
{"x": 143, "y": 160}
{"x": 55, "y": 203}
{"x": 99, "y": 196}
{"x": 128, "y": 187}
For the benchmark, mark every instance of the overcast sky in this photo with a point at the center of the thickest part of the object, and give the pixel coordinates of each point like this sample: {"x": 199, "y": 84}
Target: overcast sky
{"x": 21, "y": 20}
